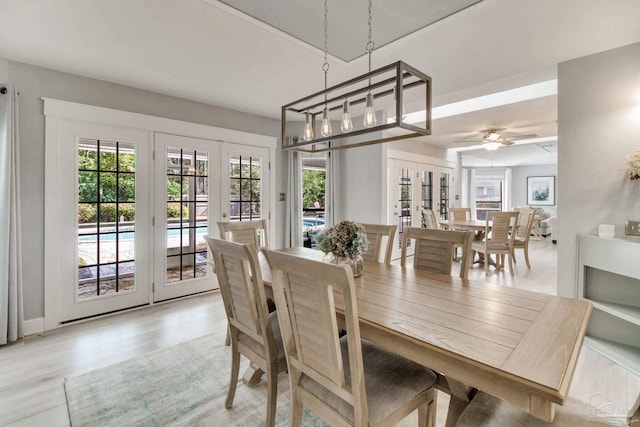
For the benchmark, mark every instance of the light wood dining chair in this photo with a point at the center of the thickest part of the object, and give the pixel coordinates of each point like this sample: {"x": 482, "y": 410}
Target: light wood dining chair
{"x": 434, "y": 250}
{"x": 375, "y": 234}
{"x": 346, "y": 381}
{"x": 254, "y": 332}
{"x": 523, "y": 233}
{"x": 459, "y": 214}
{"x": 500, "y": 232}
{"x": 252, "y": 232}
{"x": 429, "y": 219}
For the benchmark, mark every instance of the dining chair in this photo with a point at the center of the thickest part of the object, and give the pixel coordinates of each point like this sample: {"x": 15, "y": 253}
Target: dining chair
{"x": 459, "y": 214}
{"x": 375, "y": 234}
{"x": 429, "y": 219}
{"x": 523, "y": 233}
{"x": 347, "y": 381}
{"x": 434, "y": 250}
{"x": 254, "y": 332}
{"x": 252, "y": 232}
{"x": 500, "y": 232}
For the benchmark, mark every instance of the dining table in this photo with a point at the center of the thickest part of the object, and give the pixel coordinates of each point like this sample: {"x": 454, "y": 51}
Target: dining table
{"x": 517, "y": 345}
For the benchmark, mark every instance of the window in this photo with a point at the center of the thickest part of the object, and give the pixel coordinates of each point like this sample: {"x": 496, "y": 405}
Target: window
{"x": 488, "y": 193}
{"x": 106, "y": 217}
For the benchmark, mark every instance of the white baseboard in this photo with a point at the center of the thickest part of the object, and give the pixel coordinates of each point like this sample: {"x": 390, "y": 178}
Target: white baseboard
{"x": 33, "y": 326}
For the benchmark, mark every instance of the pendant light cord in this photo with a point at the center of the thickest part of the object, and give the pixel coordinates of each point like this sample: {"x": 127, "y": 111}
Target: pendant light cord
{"x": 370, "y": 44}
{"x": 325, "y": 66}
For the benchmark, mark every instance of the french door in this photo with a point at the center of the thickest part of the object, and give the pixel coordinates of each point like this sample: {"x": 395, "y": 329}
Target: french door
{"x": 126, "y": 208}
{"x": 187, "y": 194}
{"x": 412, "y": 187}
{"x": 98, "y": 221}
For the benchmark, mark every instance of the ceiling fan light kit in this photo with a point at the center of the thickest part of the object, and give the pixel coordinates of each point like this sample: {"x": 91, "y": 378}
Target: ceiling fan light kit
{"x": 386, "y": 92}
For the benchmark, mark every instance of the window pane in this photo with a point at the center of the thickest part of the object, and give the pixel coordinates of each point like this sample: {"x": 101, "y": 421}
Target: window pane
{"x": 108, "y": 189}
{"x": 126, "y": 188}
{"x": 107, "y": 156}
{"x": 87, "y": 187}
{"x": 126, "y": 158}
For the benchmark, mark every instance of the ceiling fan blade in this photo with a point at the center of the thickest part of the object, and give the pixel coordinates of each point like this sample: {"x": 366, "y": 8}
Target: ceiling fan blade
{"x": 507, "y": 142}
{"x": 518, "y": 137}
{"x": 464, "y": 141}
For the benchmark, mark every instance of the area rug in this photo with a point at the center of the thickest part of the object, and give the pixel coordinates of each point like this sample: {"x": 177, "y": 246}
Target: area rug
{"x": 183, "y": 385}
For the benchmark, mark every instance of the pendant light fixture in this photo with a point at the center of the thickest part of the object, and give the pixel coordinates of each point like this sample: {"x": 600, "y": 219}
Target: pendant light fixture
{"x": 325, "y": 129}
{"x": 378, "y": 99}
{"x": 369, "y": 119}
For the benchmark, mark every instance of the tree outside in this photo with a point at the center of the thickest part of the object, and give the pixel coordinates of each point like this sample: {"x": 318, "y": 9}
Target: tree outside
{"x": 313, "y": 187}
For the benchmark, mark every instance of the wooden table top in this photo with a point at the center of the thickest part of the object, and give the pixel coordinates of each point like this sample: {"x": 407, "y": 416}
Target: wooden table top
{"x": 517, "y": 345}
{"x": 471, "y": 224}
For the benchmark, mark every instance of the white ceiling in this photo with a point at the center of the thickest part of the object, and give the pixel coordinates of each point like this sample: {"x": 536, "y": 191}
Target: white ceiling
{"x": 209, "y": 52}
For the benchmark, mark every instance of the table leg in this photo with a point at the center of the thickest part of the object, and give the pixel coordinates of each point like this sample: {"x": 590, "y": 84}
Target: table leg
{"x": 461, "y": 394}
{"x": 252, "y": 375}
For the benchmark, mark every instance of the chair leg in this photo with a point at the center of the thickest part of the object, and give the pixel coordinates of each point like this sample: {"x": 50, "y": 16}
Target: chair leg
{"x": 272, "y": 395}
{"x": 227, "y": 340}
{"x": 427, "y": 411}
{"x": 233, "y": 381}
{"x": 526, "y": 255}
{"x": 296, "y": 412}
{"x": 511, "y": 265}
{"x": 486, "y": 263}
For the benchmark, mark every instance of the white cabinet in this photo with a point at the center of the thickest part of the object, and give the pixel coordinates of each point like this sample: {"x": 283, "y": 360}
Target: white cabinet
{"x": 609, "y": 277}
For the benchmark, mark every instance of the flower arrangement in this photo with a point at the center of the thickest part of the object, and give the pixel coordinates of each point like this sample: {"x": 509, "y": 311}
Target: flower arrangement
{"x": 633, "y": 165}
{"x": 346, "y": 239}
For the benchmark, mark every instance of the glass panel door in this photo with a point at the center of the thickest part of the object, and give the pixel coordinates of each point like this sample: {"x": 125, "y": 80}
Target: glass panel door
{"x": 185, "y": 168}
{"x": 103, "y": 221}
{"x": 245, "y": 183}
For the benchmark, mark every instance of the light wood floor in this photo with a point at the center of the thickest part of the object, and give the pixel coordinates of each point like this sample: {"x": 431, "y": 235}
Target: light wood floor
{"x": 32, "y": 370}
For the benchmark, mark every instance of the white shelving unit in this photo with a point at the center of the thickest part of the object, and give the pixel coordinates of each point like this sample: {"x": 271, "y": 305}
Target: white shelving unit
{"x": 609, "y": 277}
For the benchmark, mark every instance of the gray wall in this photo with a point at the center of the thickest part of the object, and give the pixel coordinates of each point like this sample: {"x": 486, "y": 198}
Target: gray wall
{"x": 519, "y": 176}
{"x": 34, "y": 83}
{"x": 599, "y": 124}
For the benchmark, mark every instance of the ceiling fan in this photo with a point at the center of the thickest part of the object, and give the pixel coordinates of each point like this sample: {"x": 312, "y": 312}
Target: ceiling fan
{"x": 492, "y": 139}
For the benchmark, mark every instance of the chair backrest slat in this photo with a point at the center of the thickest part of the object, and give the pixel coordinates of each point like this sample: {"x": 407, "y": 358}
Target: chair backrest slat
{"x": 429, "y": 219}
{"x": 525, "y": 222}
{"x": 434, "y": 249}
{"x": 304, "y": 291}
{"x": 376, "y": 233}
{"x": 252, "y": 232}
{"x": 503, "y": 226}
{"x": 240, "y": 281}
{"x": 460, "y": 214}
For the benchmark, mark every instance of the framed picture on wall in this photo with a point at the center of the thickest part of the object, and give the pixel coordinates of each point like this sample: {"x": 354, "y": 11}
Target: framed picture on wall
{"x": 541, "y": 190}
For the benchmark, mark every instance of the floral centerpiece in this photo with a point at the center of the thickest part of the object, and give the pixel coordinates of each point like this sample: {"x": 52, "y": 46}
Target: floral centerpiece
{"x": 346, "y": 241}
{"x": 633, "y": 165}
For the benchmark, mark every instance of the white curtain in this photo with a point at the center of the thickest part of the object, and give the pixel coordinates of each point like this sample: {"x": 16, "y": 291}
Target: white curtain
{"x": 472, "y": 193}
{"x": 506, "y": 194}
{"x": 293, "y": 224}
{"x": 330, "y": 188}
{"x": 11, "y": 309}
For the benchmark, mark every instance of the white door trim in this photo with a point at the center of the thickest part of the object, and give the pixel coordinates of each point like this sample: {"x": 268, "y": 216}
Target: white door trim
{"x": 58, "y": 112}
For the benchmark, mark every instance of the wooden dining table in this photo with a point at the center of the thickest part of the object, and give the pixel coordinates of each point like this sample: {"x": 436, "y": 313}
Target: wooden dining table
{"x": 517, "y": 345}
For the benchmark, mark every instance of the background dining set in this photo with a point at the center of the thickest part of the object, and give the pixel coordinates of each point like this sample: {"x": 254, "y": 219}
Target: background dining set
{"x": 314, "y": 331}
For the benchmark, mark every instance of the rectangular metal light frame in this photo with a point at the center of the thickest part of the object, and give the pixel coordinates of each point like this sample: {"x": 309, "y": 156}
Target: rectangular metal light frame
{"x": 397, "y": 78}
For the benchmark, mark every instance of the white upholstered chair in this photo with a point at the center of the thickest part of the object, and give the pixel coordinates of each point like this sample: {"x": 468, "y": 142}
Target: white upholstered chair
{"x": 376, "y": 233}
{"x": 254, "y": 332}
{"x": 346, "y": 381}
